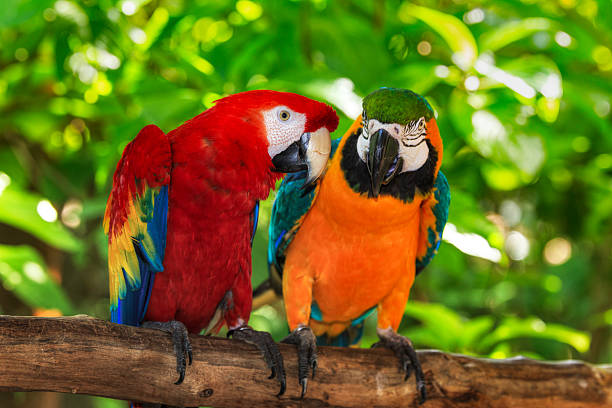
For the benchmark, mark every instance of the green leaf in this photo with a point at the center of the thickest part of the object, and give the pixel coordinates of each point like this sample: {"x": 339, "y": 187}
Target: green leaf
{"x": 513, "y": 328}
{"x": 14, "y": 12}
{"x": 23, "y": 272}
{"x": 512, "y": 31}
{"x": 456, "y": 34}
{"x": 99, "y": 402}
{"x": 502, "y": 177}
{"x": 19, "y": 209}
{"x": 437, "y": 318}
{"x": 465, "y": 213}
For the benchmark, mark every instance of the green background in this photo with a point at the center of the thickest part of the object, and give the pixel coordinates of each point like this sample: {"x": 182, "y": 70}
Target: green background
{"x": 522, "y": 94}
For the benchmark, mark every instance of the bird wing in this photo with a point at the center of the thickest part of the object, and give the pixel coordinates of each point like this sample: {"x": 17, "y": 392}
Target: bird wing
{"x": 136, "y": 222}
{"x": 290, "y": 206}
{"x": 434, "y": 213}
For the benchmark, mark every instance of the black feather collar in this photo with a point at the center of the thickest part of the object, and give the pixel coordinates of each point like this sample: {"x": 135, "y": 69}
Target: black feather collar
{"x": 404, "y": 186}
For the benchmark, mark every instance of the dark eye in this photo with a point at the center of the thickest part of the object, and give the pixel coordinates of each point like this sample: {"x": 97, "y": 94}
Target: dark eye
{"x": 284, "y": 115}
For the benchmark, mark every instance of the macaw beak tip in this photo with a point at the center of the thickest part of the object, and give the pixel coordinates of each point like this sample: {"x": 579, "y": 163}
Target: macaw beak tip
{"x": 317, "y": 154}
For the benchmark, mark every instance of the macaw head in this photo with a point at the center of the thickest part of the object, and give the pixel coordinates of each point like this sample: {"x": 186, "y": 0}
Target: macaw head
{"x": 399, "y": 143}
{"x": 295, "y": 129}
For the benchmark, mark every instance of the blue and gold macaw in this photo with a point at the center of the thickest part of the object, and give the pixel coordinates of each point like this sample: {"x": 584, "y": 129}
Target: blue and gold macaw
{"x": 356, "y": 243}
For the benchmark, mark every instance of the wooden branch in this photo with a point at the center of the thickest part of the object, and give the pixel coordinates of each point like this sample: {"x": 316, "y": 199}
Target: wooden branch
{"x": 89, "y": 356}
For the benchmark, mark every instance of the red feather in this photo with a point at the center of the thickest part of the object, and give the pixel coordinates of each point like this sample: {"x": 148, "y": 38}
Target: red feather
{"x": 220, "y": 169}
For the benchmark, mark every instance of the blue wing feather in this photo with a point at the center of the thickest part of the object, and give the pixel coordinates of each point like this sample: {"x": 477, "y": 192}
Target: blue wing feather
{"x": 132, "y": 308}
{"x": 440, "y": 211}
{"x": 254, "y": 220}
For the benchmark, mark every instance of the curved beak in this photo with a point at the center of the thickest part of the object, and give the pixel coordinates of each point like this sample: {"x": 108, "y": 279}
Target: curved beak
{"x": 310, "y": 153}
{"x": 383, "y": 160}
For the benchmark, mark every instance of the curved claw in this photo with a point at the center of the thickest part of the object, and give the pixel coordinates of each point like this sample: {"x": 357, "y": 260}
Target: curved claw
{"x": 180, "y": 341}
{"x": 283, "y": 387}
{"x": 181, "y": 378}
{"x": 304, "y": 384}
{"x": 271, "y": 354}
{"x": 272, "y": 374}
{"x": 409, "y": 361}
{"x": 306, "y": 343}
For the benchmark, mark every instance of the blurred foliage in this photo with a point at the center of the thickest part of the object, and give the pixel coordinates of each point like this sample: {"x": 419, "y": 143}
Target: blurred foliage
{"x": 522, "y": 90}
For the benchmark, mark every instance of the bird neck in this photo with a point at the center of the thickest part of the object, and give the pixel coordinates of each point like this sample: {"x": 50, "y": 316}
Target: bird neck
{"x": 341, "y": 203}
{"x": 226, "y": 152}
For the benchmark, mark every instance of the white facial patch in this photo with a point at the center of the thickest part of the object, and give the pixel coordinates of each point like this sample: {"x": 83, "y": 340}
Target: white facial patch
{"x": 283, "y": 127}
{"x": 412, "y": 146}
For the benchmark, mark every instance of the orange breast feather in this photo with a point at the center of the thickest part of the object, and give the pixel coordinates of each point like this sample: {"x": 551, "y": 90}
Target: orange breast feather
{"x": 352, "y": 248}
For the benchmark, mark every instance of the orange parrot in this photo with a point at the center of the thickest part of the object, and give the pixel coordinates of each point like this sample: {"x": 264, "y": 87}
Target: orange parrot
{"x": 356, "y": 243}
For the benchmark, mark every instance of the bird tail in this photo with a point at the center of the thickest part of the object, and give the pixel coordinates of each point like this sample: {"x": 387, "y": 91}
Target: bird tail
{"x": 265, "y": 294}
{"x": 349, "y": 337}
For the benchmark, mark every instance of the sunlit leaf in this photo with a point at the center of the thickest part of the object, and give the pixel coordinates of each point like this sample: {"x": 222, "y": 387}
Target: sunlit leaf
{"x": 512, "y": 31}
{"x": 24, "y": 273}
{"x": 22, "y": 210}
{"x": 14, "y": 12}
{"x": 456, "y": 34}
{"x": 514, "y": 328}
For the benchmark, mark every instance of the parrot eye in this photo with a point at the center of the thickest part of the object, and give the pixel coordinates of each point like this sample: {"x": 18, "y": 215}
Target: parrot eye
{"x": 284, "y": 115}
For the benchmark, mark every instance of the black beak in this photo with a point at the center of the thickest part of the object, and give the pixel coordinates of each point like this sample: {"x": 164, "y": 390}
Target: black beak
{"x": 383, "y": 160}
{"x": 310, "y": 153}
{"x": 293, "y": 158}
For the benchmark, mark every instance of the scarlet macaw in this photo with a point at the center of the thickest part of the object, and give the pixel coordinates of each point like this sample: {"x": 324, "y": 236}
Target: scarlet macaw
{"x": 183, "y": 210}
{"x": 355, "y": 244}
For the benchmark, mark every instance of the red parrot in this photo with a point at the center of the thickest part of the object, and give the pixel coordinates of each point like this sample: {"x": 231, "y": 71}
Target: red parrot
{"x": 183, "y": 210}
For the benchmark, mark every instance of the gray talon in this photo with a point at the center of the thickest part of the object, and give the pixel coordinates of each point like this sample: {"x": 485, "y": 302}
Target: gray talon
{"x": 306, "y": 343}
{"x": 409, "y": 362}
{"x": 271, "y": 354}
{"x": 180, "y": 341}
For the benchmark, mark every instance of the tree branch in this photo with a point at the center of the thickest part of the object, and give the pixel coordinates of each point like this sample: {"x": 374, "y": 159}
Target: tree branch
{"x": 89, "y": 356}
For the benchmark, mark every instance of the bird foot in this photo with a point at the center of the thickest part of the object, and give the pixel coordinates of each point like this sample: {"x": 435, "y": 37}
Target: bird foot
{"x": 403, "y": 349}
{"x": 180, "y": 340}
{"x": 306, "y": 343}
{"x": 271, "y": 354}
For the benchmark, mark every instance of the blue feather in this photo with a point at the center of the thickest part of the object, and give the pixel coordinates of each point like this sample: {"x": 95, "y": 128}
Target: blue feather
{"x": 132, "y": 308}
{"x": 440, "y": 211}
{"x": 255, "y": 217}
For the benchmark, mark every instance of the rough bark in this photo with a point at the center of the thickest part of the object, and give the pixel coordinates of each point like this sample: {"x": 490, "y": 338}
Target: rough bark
{"x": 89, "y": 356}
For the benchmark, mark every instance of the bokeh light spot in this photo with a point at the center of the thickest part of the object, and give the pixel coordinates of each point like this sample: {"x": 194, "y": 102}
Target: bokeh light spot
{"x": 249, "y": 10}
{"x": 604, "y": 161}
{"x": 441, "y": 71}
{"x": 517, "y": 246}
{"x": 46, "y": 211}
{"x": 5, "y": 180}
{"x": 474, "y": 16}
{"x": 21, "y": 54}
{"x": 581, "y": 144}
{"x": 471, "y": 83}
{"x": 34, "y": 272}
{"x": 563, "y": 39}
{"x": 424, "y": 48}
{"x": 552, "y": 283}
{"x": 128, "y": 7}
{"x": 138, "y": 35}
{"x": 557, "y": 251}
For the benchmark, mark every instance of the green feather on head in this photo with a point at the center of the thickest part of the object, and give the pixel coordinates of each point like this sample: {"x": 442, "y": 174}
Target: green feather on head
{"x": 394, "y": 105}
